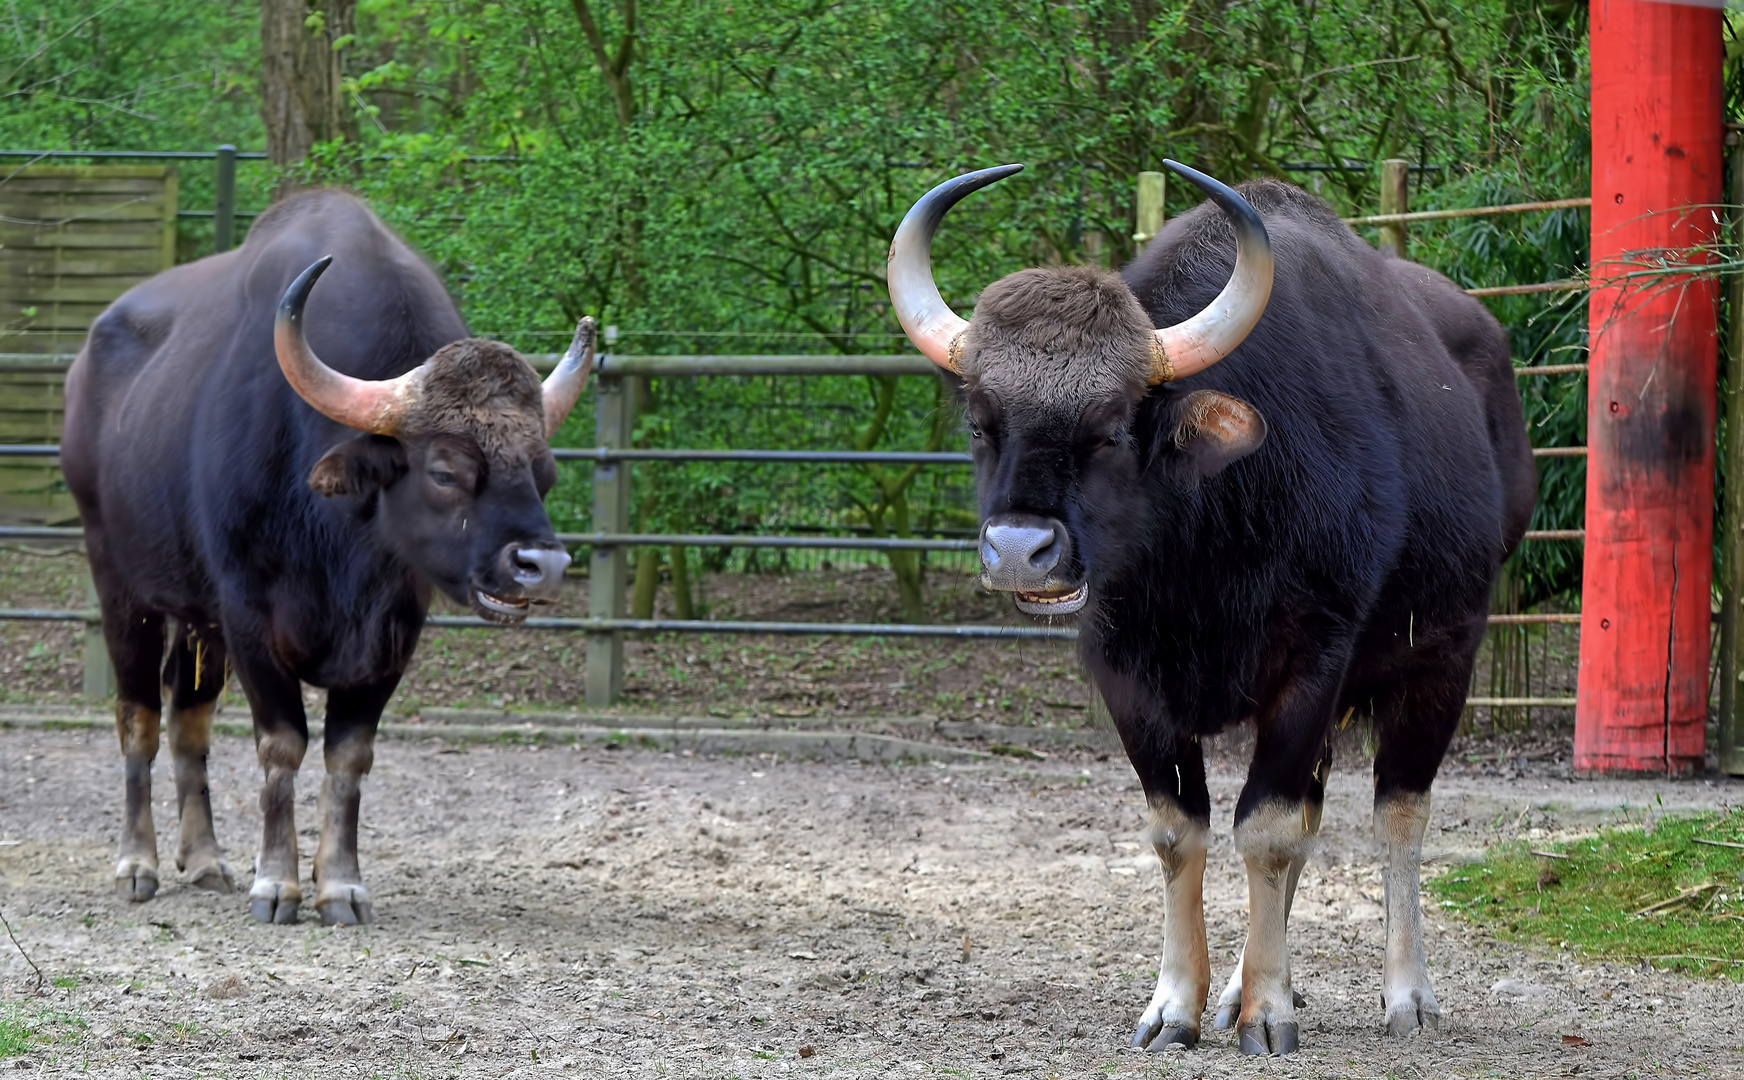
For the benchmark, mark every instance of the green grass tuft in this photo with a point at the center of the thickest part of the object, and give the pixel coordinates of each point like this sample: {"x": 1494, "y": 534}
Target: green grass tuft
{"x": 25, "y": 1028}
{"x": 14, "y": 1035}
{"x": 1629, "y": 893}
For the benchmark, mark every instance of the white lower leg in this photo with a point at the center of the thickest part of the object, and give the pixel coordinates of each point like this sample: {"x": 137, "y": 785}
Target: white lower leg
{"x": 1229, "y": 1002}
{"x": 1184, "y": 973}
{"x": 1400, "y": 822}
{"x": 1273, "y": 841}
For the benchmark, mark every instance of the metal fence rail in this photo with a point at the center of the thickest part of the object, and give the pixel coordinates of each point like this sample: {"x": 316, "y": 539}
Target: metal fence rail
{"x": 613, "y": 457}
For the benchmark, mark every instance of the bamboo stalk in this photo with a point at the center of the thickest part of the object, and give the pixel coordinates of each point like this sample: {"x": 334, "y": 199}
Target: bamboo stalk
{"x": 1470, "y": 211}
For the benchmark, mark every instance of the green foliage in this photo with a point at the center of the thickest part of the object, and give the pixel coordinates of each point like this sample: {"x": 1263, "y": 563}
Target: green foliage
{"x": 1669, "y": 894}
{"x": 129, "y": 74}
{"x": 726, "y": 177}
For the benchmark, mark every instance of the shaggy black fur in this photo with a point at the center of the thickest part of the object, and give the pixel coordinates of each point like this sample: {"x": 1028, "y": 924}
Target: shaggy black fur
{"x": 1309, "y": 527}
{"x": 211, "y": 494}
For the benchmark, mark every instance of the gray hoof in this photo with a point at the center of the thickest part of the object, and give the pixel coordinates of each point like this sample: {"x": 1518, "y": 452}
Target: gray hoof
{"x": 214, "y": 877}
{"x": 345, "y": 905}
{"x": 136, "y": 882}
{"x": 1280, "y": 1037}
{"x": 1175, "y": 1035}
{"x": 274, "y": 902}
{"x": 1416, "y": 1012}
{"x": 1227, "y": 1016}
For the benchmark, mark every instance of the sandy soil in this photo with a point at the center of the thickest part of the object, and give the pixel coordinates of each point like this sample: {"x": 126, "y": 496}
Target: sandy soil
{"x": 595, "y": 912}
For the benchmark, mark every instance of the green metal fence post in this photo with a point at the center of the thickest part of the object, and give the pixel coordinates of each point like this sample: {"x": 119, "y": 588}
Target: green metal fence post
{"x": 224, "y": 200}
{"x": 615, "y": 422}
{"x": 1731, "y": 739}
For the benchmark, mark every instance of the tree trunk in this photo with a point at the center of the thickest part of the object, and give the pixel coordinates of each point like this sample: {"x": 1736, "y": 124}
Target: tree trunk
{"x": 647, "y": 583}
{"x": 682, "y": 605}
{"x": 302, "y": 90}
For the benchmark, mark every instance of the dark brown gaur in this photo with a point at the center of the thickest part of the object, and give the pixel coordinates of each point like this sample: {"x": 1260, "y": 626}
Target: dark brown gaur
{"x": 290, "y": 520}
{"x": 1285, "y": 507}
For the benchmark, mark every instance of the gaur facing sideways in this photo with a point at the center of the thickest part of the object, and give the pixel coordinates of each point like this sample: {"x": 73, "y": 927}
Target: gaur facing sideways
{"x": 290, "y": 516}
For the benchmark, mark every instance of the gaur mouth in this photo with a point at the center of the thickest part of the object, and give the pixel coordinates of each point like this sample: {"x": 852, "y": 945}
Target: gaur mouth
{"x": 1053, "y": 602}
{"x": 497, "y": 609}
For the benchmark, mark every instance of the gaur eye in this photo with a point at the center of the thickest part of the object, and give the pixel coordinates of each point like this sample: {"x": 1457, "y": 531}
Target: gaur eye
{"x": 442, "y": 477}
{"x": 974, "y": 430}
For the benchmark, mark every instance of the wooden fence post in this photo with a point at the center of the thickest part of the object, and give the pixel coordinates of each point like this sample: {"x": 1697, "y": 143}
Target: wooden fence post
{"x": 99, "y": 683}
{"x": 1646, "y": 627}
{"x": 1395, "y": 195}
{"x": 1150, "y": 209}
{"x": 614, "y": 422}
{"x": 1731, "y": 738}
{"x": 224, "y": 200}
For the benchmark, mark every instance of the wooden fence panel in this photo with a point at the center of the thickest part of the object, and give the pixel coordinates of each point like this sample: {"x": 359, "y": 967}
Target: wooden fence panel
{"x": 72, "y": 240}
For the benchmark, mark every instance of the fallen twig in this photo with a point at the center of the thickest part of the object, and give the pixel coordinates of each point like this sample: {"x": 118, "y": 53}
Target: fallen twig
{"x": 1719, "y": 843}
{"x": 40, "y": 979}
{"x": 1681, "y": 898}
{"x": 1702, "y": 959}
{"x": 1547, "y": 854}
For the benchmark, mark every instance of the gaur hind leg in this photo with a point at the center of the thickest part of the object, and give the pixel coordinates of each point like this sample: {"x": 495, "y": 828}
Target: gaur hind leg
{"x": 1180, "y": 805}
{"x": 1412, "y": 738}
{"x": 1276, "y": 820}
{"x": 193, "y": 678}
{"x": 353, "y": 715}
{"x": 135, "y": 639}
{"x": 1229, "y": 1002}
{"x": 281, "y": 739}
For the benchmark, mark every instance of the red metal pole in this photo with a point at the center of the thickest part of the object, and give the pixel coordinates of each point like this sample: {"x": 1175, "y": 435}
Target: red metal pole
{"x": 1644, "y": 648}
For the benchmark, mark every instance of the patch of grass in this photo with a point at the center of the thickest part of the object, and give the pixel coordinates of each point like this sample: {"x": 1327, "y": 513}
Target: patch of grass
{"x": 24, "y": 1028}
{"x": 14, "y": 1035}
{"x": 1671, "y": 894}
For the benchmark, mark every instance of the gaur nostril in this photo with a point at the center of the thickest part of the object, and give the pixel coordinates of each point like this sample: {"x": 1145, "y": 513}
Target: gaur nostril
{"x": 1047, "y": 556}
{"x": 534, "y": 567}
{"x": 1026, "y": 551}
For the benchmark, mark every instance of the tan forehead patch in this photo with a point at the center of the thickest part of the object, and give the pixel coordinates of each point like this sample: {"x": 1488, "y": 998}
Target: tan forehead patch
{"x": 485, "y": 390}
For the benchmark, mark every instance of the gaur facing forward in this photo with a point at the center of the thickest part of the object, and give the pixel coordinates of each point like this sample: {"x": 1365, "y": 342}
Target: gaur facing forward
{"x": 1286, "y": 506}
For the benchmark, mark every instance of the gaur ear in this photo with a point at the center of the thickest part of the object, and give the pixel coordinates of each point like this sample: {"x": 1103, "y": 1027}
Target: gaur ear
{"x": 358, "y": 466}
{"x": 1213, "y": 430}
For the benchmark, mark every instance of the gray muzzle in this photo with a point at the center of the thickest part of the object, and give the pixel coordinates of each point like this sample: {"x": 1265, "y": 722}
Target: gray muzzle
{"x": 1024, "y": 553}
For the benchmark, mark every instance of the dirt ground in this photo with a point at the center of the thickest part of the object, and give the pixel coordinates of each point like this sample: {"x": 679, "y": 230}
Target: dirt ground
{"x": 621, "y": 912}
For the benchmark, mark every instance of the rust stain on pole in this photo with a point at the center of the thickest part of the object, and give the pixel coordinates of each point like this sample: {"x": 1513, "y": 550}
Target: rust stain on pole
{"x": 1644, "y": 649}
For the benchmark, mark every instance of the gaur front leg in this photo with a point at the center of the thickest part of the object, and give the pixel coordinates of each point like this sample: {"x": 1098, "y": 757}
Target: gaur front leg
{"x": 1276, "y": 820}
{"x": 1180, "y": 823}
{"x": 193, "y": 678}
{"x": 352, "y": 718}
{"x": 1229, "y": 1002}
{"x": 281, "y": 739}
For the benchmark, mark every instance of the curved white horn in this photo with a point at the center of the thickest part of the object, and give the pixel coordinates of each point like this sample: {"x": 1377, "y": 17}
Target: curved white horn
{"x": 1195, "y": 344}
{"x": 1212, "y": 334}
{"x": 564, "y": 385}
{"x": 926, "y": 318}
{"x": 364, "y": 404}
